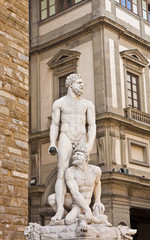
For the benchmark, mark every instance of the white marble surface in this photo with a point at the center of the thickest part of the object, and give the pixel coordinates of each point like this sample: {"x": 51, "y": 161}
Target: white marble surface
{"x": 75, "y": 218}
{"x": 79, "y": 230}
{"x": 72, "y": 112}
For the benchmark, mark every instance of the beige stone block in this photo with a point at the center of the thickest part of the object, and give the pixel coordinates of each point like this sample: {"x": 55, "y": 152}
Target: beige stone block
{"x": 8, "y": 132}
{"x": 4, "y": 171}
{"x": 7, "y": 95}
{"x": 7, "y": 164}
{"x": 10, "y": 104}
{"x": 21, "y": 144}
{"x": 6, "y": 201}
{"x": 23, "y": 102}
{"x": 21, "y": 168}
{"x": 19, "y": 174}
{"x": 18, "y": 115}
{"x": 23, "y": 70}
{"x": 2, "y": 101}
{"x": 21, "y": 136}
{"x": 14, "y": 150}
{"x": 4, "y": 110}
{"x": 21, "y": 192}
{"x": 17, "y": 92}
{"x": 18, "y": 202}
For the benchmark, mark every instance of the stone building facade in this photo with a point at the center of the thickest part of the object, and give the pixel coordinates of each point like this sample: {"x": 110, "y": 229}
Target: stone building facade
{"x": 14, "y": 98}
{"x": 107, "y": 42}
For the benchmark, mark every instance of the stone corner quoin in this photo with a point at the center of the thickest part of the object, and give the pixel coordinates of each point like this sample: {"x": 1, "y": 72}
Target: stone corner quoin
{"x": 14, "y": 102}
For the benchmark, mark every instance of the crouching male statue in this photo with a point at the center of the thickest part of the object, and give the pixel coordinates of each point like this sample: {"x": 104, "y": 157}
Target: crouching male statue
{"x": 83, "y": 180}
{"x": 73, "y": 113}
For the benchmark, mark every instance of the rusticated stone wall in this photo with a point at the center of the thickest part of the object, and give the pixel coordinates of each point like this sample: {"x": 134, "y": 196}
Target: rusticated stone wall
{"x": 14, "y": 91}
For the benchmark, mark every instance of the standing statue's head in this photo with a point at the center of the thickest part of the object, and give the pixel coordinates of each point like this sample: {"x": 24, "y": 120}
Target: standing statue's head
{"x": 75, "y": 82}
{"x": 80, "y": 155}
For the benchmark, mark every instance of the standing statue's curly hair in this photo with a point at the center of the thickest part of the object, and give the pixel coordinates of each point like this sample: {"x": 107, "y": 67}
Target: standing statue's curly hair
{"x": 71, "y": 79}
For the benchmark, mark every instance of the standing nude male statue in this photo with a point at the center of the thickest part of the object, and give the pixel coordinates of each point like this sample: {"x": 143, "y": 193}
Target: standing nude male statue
{"x": 73, "y": 112}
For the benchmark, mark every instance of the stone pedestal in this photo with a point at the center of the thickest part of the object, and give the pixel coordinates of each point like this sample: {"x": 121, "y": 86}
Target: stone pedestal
{"x": 77, "y": 238}
{"x": 80, "y": 230}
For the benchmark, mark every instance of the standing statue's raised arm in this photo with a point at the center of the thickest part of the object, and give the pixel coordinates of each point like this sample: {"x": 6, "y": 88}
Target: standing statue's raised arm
{"x": 54, "y": 129}
{"x": 91, "y": 126}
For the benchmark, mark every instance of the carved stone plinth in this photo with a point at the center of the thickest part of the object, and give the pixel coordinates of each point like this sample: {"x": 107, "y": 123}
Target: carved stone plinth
{"x": 77, "y": 231}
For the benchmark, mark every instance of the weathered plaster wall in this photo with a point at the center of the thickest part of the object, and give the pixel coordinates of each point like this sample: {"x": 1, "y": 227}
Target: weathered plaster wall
{"x": 14, "y": 88}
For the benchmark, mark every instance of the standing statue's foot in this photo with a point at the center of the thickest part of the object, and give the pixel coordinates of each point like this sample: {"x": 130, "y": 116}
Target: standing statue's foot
{"x": 58, "y": 216}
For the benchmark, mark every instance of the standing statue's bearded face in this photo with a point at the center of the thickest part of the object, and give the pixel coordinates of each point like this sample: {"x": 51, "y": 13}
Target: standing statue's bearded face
{"x": 77, "y": 87}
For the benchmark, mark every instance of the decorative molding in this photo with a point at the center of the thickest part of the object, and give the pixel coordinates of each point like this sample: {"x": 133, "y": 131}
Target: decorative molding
{"x": 101, "y": 150}
{"x": 49, "y": 184}
{"x": 63, "y": 64}
{"x": 63, "y": 57}
{"x": 38, "y": 135}
{"x": 88, "y": 28}
{"x": 126, "y": 122}
{"x": 144, "y": 147}
{"x": 35, "y": 191}
{"x": 135, "y": 56}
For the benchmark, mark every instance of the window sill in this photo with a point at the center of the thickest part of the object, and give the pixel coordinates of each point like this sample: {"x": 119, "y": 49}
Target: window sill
{"x": 55, "y": 16}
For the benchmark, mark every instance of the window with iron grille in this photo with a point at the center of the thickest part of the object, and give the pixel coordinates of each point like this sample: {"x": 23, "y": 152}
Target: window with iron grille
{"x": 133, "y": 90}
{"x": 52, "y": 7}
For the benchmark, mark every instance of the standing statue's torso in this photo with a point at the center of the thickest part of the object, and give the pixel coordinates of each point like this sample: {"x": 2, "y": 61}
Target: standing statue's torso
{"x": 73, "y": 118}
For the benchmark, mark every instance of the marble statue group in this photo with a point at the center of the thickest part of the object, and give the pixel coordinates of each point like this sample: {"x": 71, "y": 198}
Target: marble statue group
{"x": 73, "y": 123}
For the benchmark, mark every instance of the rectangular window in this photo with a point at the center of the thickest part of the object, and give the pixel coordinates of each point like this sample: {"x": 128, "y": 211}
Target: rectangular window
{"x": 43, "y": 9}
{"x": 129, "y": 4}
{"x": 62, "y": 87}
{"x": 52, "y": 7}
{"x": 133, "y": 90}
{"x": 146, "y": 10}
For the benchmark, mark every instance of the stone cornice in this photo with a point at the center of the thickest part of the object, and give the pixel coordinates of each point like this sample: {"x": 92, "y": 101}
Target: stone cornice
{"x": 100, "y": 118}
{"x": 39, "y": 135}
{"x": 113, "y": 177}
{"x": 35, "y": 191}
{"x": 129, "y": 123}
{"x": 90, "y": 27}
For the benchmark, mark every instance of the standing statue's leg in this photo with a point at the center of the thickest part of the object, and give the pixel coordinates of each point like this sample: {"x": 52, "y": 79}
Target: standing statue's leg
{"x": 64, "y": 155}
{"x": 60, "y": 190}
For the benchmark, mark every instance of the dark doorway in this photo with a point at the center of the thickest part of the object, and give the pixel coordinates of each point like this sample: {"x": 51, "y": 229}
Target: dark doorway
{"x": 140, "y": 220}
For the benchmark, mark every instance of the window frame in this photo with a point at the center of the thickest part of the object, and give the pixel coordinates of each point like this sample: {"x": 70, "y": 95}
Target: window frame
{"x": 131, "y": 10}
{"x": 135, "y": 63}
{"x": 147, "y": 11}
{"x": 57, "y": 8}
{"x": 62, "y": 64}
{"x": 60, "y": 80}
{"x": 132, "y": 91}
